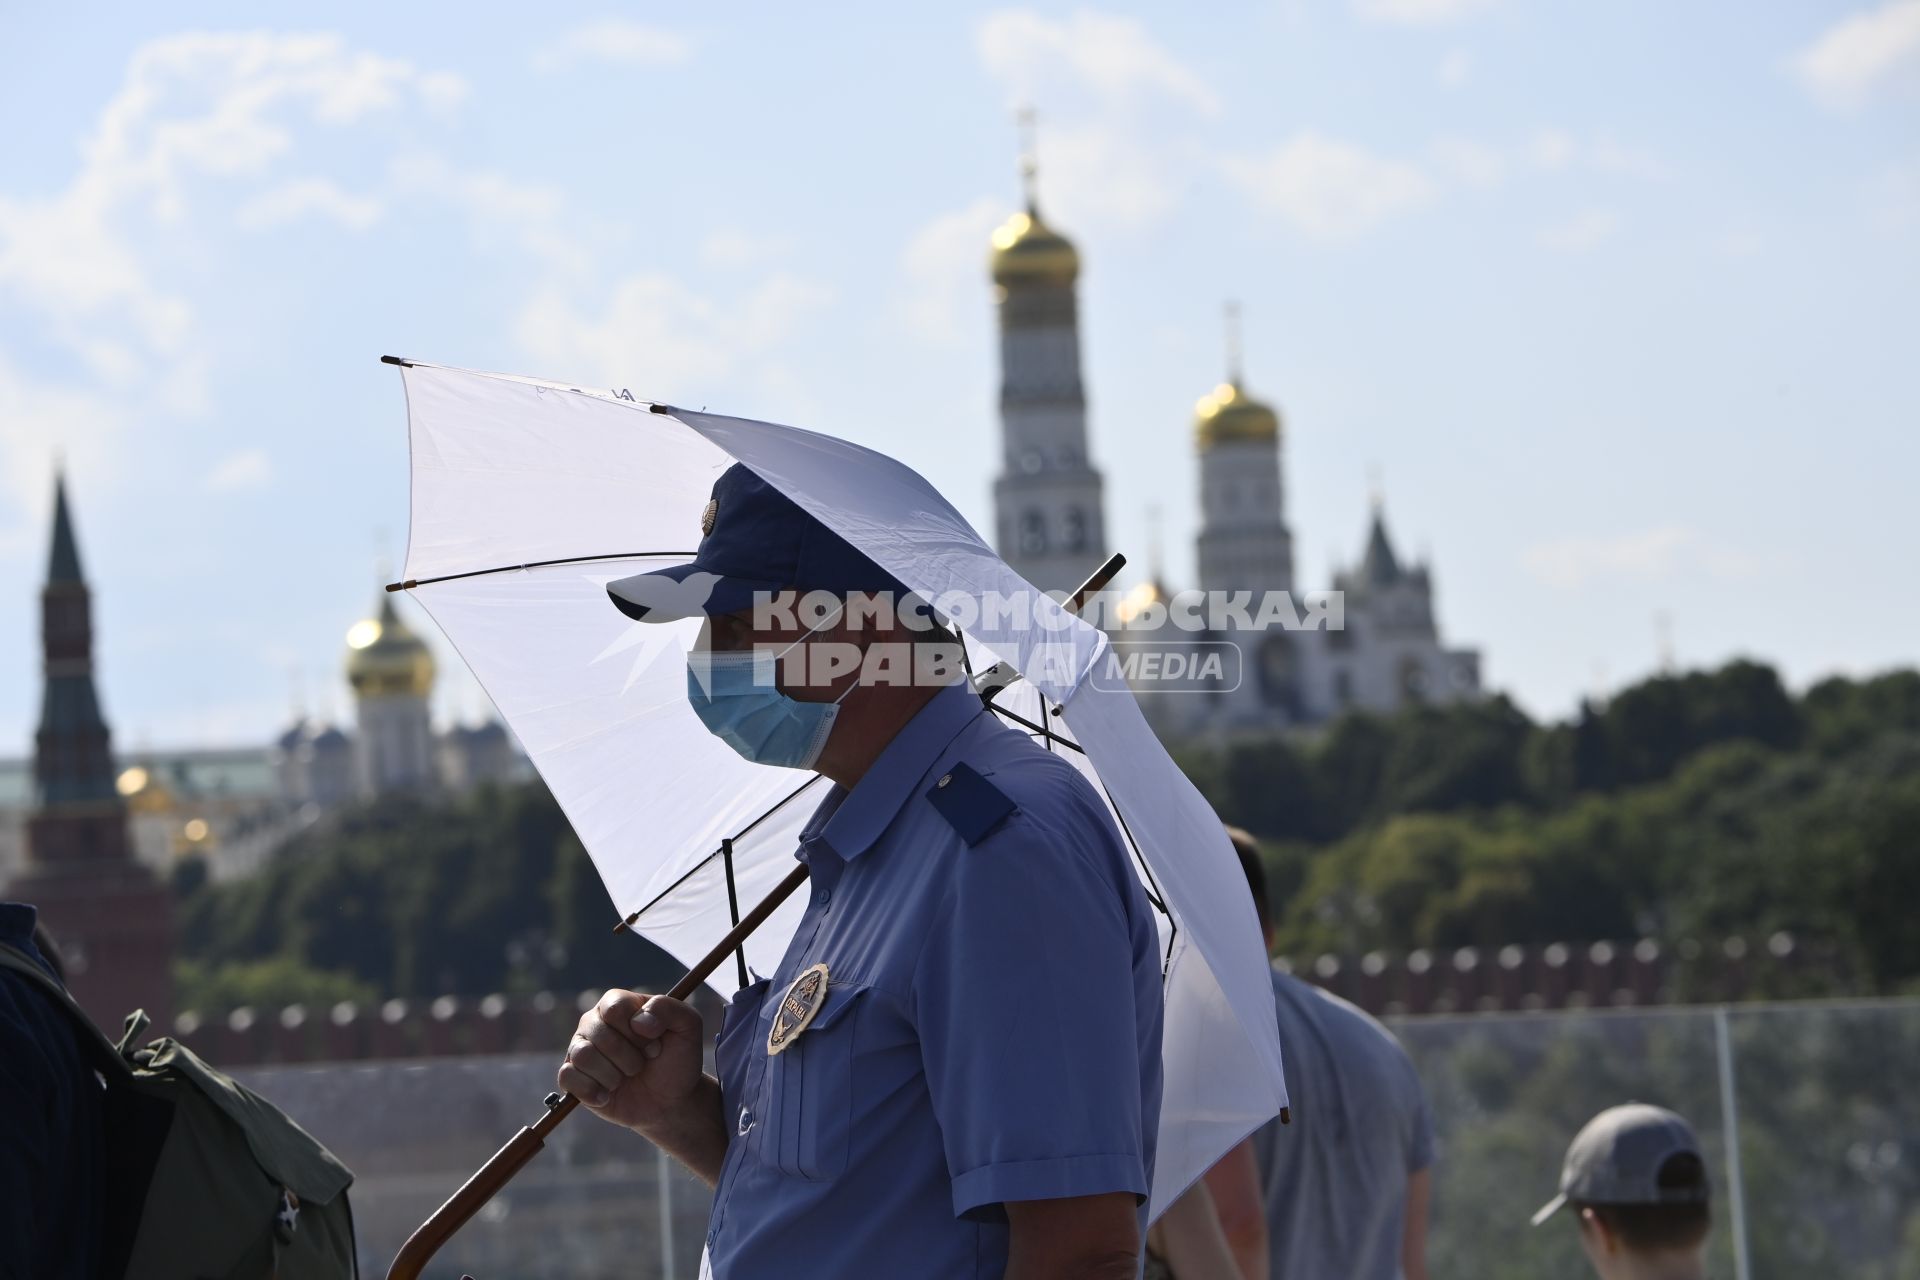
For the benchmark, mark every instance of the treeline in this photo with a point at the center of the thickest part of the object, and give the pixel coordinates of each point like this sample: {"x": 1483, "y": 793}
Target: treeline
{"x": 1697, "y": 805}
{"x": 1702, "y": 805}
{"x": 492, "y": 892}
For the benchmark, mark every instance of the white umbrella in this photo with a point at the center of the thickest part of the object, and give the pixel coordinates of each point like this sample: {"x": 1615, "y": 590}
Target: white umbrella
{"x": 529, "y": 496}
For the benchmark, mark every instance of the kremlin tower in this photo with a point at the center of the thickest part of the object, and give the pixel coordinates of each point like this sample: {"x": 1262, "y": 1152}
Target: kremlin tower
{"x": 111, "y": 917}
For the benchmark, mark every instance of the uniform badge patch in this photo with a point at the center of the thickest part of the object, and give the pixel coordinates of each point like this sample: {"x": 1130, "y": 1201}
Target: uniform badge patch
{"x": 798, "y": 1008}
{"x": 708, "y": 515}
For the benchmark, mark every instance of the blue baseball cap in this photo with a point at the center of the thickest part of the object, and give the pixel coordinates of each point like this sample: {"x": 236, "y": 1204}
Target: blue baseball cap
{"x": 754, "y": 539}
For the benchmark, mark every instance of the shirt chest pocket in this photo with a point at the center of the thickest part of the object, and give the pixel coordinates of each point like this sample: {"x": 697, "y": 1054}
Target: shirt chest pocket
{"x": 733, "y": 1049}
{"x": 810, "y": 1090}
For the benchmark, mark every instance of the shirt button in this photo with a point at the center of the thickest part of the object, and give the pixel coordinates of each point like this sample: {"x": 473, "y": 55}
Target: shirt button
{"x": 945, "y": 778}
{"x": 746, "y": 1120}
{"x": 825, "y": 896}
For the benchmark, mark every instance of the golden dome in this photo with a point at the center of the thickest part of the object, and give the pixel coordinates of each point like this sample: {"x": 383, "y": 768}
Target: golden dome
{"x": 1028, "y": 251}
{"x": 143, "y": 790}
{"x": 1229, "y": 413}
{"x": 1140, "y": 598}
{"x": 384, "y": 658}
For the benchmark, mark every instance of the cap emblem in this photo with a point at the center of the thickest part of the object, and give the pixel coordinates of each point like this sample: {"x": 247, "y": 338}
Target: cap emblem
{"x": 798, "y": 1008}
{"x": 707, "y": 516}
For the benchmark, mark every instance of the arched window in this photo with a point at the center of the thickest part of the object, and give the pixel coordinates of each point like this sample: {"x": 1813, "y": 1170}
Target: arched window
{"x": 1076, "y": 539}
{"x": 1413, "y": 680}
{"x": 1033, "y": 532}
{"x": 1276, "y": 671}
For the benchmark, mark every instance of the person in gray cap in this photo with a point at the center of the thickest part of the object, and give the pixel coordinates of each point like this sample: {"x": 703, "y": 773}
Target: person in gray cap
{"x": 1635, "y": 1179}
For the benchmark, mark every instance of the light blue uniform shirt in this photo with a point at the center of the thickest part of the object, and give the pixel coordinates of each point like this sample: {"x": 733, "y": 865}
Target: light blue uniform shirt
{"x": 991, "y": 1030}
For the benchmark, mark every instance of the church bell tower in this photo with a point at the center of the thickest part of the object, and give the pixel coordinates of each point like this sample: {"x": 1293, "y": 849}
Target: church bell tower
{"x": 1049, "y": 523}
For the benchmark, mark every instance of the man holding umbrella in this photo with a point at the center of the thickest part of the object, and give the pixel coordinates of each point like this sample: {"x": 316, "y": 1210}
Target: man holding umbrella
{"x": 955, "y": 1069}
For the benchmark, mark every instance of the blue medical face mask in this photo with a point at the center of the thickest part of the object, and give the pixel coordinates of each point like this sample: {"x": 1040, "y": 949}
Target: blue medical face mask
{"x": 737, "y": 701}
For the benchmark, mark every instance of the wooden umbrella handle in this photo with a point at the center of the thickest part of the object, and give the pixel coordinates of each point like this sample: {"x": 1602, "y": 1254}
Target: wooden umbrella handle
{"x": 508, "y": 1160}
{"x": 430, "y": 1235}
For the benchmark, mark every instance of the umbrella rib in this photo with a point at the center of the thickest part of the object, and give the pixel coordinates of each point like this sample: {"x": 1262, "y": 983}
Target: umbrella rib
{"x": 1030, "y": 726}
{"x": 1154, "y": 896}
{"x": 733, "y": 907}
{"x": 411, "y": 583}
{"x": 694, "y": 870}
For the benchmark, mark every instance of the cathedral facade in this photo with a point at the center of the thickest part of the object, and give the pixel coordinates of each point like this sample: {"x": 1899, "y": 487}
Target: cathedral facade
{"x": 77, "y": 801}
{"x": 1371, "y": 643}
{"x": 393, "y": 746}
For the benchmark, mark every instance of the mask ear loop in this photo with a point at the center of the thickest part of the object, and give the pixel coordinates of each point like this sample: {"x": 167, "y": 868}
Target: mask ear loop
{"x": 840, "y": 610}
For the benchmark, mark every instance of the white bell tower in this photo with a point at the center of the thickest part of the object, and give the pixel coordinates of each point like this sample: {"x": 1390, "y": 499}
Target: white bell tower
{"x": 1049, "y": 517}
{"x": 1245, "y": 545}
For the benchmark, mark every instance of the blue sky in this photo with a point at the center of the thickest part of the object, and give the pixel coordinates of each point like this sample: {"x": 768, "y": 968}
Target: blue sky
{"x": 1619, "y": 300}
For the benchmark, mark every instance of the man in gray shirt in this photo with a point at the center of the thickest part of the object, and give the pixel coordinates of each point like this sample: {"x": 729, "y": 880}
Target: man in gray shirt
{"x": 1347, "y": 1183}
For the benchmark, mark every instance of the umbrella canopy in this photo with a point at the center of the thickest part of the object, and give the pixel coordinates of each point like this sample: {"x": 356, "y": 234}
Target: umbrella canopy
{"x": 529, "y": 496}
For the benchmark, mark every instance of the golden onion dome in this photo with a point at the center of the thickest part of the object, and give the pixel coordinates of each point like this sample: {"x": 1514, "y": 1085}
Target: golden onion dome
{"x": 1229, "y": 413}
{"x": 385, "y": 658}
{"x": 1140, "y": 598}
{"x": 1028, "y": 251}
{"x": 143, "y": 790}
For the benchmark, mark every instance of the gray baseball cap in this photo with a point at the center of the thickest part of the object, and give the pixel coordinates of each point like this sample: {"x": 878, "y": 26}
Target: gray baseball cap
{"x": 1616, "y": 1159}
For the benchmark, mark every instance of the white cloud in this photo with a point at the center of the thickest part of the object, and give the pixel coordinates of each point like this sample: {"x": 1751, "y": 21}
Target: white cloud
{"x": 774, "y": 312}
{"x": 943, "y": 266}
{"x": 1857, "y": 55}
{"x": 1330, "y": 190}
{"x": 1648, "y": 556}
{"x": 192, "y": 107}
{"x": 1474, "y": 164}
{"x": 39, "y": 423}
{"x": 733, "y": 248}
{"x": 659, "y": 337}
{"x": 1096, "y": 174}
{"x": 1552, "y": 149}
{"x": 309, "y": 197}
{"x": 1607, "y": 155}
{"x": 1455, "y": 69}
{"x": 1546, "y": 150}
{"x": 441, "y": 91}
{"x": 1112, "y": 153}
{"x": 526, "y": 216}
{"x": 1114, "y": 56}
{"x": 1419, "y": 13}
{"x": 617, "y": 41}
{"x": 247, "y": 470}
{"x": 1581, "y": 233}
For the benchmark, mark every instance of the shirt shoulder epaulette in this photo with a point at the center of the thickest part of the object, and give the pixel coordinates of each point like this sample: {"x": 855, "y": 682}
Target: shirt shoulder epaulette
{"x": 972, "y": 806}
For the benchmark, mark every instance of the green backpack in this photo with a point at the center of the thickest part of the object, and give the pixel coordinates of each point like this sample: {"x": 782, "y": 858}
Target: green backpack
{"x": 205, "y": 1180}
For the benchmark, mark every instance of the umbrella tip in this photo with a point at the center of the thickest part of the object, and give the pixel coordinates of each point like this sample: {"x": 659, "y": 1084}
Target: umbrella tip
{"x": 402, "y": 361}
{"x": 408, "y": 585}
{"x": 1286, "y": 1115}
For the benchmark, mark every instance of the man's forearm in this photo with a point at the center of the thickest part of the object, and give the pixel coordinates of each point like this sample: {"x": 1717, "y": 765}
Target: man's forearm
{"x": 696, "y": 1134}
{"x": 1118, "y": 1266}
{"x": 1094, "y": 1237}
